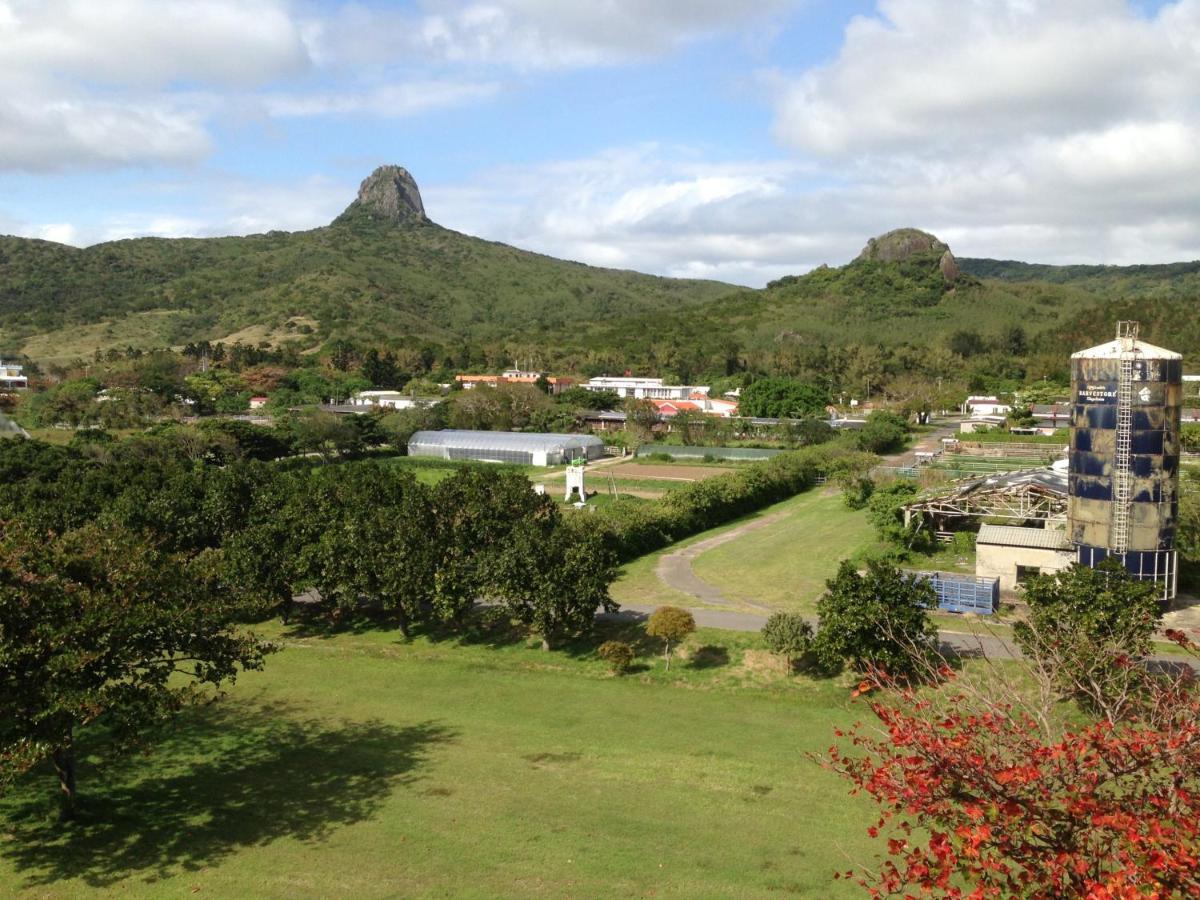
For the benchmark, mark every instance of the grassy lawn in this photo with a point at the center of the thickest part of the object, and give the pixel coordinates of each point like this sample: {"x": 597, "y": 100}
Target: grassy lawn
{"x": 357, "y": 765}
{"x": 786, "y": 564}
{"x": 637, "y": 585}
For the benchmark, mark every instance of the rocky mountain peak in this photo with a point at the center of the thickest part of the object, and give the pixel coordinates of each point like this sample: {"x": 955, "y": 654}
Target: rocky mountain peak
{"x": 903, "y": 243}
{"x": 389, "y": 193}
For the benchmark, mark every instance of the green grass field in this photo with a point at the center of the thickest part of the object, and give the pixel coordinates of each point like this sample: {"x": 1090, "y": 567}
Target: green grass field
{"x": 786, "y": 564}
{"x": 358, "y": 765}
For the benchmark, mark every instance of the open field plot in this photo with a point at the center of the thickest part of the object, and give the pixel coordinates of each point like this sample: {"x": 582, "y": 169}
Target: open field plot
{"x": 357, "y": 765}
{"x": 667, "y": 471}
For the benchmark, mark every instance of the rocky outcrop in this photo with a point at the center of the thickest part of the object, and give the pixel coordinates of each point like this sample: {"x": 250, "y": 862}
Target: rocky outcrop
{"x": 949, "y": 267}
{"x": 389, "y": 193}
{"x": 905, "y": 243}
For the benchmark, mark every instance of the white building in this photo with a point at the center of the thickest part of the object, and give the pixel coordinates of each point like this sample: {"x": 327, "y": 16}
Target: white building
{"x": 12, "y": 377}
{"x": 644, "y": 388}
{"x": 977, "y": 407}
{"x": 392, "y": 400}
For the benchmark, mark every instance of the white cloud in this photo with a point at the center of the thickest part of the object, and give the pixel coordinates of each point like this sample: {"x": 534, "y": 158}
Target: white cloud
{"x": 1049, "y": 130}
{"x": 932, "y": 76}
{"x": 55, "y": 133}
{"x": 528, "y": 34}
{"x": 147, "y": 43}
{"x": 384, "y": 101}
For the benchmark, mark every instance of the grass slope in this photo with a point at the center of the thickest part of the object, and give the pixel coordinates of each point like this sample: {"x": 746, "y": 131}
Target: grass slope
{"x": 357, "y": 765}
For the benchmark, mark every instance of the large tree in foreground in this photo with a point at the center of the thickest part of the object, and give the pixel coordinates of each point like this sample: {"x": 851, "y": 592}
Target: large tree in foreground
{"x": 1085, "y": 627}
{"x": 100, "y": 626}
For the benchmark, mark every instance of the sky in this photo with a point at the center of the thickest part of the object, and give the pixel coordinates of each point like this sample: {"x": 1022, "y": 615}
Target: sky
{"x": 740, "y": 140}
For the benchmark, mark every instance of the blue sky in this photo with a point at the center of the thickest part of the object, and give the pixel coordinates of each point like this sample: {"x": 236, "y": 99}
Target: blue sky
{"x": 717, "y": 138}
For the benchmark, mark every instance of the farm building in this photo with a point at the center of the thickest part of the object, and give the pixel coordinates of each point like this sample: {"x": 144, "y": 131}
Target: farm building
{"x": 506, "y": 446}
{"x": 1013, "y": 554}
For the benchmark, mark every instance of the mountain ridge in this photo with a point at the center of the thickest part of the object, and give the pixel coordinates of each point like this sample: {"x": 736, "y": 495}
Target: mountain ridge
{"x": 383, "y": 272}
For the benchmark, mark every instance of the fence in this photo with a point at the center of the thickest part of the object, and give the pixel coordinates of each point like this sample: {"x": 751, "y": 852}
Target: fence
{"x": 964, "y": 593}
{"x": 743, "y": 454}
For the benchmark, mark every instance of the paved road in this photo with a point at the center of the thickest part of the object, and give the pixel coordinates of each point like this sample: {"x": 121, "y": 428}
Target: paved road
{"x": 675, "y": 569}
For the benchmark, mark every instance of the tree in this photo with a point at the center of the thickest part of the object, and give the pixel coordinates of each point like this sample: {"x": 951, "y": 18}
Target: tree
{"x": 380, "y": 369}
{"x": 671, "y": 624}
{"x": 1086, "y": 627}
{"x": 100, "y": 626}
{"x": 325, "y": 434}
{"x": 965, "y": 343}
{"x": 475, "y": 511}
{"x": 782, "y": 398}
{"x": 553, "y": 577}
{"x": 789, "y": 635}
{"x": 375, "y": 544}
{"x": 883, "y": 432}
{"x": 878, "y": 620}
{"x": 982, "y": 785}
{"x": 885, "y": 510}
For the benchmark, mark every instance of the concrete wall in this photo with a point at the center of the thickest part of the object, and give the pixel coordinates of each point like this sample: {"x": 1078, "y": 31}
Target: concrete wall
{"x": 1000, "y": 561}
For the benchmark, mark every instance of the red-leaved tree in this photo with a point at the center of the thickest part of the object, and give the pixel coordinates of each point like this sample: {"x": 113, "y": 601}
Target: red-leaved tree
{"x": 985, "y": 795}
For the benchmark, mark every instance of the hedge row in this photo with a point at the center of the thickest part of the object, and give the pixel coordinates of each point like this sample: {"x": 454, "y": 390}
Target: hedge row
{"x": 635, "y": 529}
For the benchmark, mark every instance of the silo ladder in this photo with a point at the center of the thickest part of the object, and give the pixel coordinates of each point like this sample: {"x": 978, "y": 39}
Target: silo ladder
{"x": 1122, "y": 474}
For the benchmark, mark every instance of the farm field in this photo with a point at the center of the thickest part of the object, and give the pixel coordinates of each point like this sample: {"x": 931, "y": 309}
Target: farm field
{"x": 358, "y": 765}
{"x": 667, "y": 471}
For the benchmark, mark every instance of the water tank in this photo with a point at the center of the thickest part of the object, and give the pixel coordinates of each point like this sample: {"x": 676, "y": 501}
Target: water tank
{"x": 1124, "y": 460}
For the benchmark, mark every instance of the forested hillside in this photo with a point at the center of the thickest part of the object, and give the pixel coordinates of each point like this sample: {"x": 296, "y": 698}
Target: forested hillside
{"x": 382, "y": 274}
{"x": 368, "y": 276}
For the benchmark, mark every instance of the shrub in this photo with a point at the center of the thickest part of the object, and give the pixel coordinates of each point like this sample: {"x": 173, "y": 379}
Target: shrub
{"x": 789, "y": 635}
{"x": 856, "y": 489}
{"x": 884, "y": 432}
{"x": 618, "y": 654}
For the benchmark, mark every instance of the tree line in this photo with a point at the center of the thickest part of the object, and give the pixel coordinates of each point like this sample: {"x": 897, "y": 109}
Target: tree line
{"x": 131, "y": 578}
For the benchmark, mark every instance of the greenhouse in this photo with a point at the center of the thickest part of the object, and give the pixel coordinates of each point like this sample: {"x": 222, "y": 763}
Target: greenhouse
{"x": 506, "y": 446}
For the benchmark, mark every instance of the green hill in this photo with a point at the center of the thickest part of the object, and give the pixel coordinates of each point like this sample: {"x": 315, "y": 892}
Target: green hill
{"x": 383, "y": 273}
{"x": 380, "y": 272}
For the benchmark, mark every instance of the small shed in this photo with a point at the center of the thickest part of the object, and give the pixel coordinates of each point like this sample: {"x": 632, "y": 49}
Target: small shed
{"x": 1014, "y": 553}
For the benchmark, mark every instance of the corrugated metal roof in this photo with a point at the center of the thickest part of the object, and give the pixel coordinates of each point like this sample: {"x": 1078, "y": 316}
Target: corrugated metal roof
{"x": 1016, "y": 536}
{"x": 502, "y": 440}
{"x": 1114, "y": 349}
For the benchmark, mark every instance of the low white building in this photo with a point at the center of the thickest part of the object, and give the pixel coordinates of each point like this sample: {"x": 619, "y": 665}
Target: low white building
{"x": 12, "y": 377}
{"x": 644, "y": 388}
{"x": 393, "y": 400}
{"x": 978, "y": 406}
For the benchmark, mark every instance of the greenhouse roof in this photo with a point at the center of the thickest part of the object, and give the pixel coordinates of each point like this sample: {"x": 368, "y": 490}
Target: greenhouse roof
{"x": 503, "y": 440}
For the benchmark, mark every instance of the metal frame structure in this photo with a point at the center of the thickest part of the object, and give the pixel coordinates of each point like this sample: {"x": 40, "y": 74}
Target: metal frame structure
{"x": 1020, "y": 496}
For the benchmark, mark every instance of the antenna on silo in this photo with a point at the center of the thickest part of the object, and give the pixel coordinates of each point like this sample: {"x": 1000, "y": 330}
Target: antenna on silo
{"x": 1127, "y": 334}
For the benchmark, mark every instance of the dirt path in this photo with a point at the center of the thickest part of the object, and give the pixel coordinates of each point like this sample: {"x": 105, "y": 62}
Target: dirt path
{"x": 675, "y": 568}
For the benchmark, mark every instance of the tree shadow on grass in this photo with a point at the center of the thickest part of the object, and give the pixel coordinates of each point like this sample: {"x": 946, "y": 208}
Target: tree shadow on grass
{"x": 709, "y": 656}
{"x": 226, "y": 780}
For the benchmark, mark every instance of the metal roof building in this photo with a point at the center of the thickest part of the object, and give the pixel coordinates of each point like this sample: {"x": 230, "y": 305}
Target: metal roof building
{"x": 506, "y": 446}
